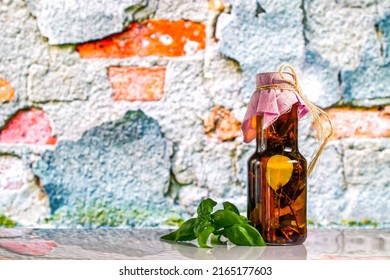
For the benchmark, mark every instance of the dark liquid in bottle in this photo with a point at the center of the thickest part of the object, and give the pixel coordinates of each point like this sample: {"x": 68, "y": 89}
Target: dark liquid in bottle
{"x": 277, "y": 182}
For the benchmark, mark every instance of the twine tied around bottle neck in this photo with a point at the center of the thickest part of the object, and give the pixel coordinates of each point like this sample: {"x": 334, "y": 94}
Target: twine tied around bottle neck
{"x": 323, "y": 131}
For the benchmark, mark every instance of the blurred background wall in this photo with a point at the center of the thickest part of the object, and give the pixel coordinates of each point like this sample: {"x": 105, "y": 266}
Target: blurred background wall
{"x": 127, "y": 112}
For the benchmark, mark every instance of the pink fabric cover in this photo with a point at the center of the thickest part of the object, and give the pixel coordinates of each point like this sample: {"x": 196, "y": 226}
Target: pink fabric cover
{"x": 271, "y": 103}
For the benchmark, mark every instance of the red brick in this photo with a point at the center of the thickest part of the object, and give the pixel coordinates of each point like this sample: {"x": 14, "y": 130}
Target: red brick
{"x": 149, "y": 37}
{"x": 30, "y": 248}
{"x": 222, "y": 124}
{"x": 356, "y": 122}
{"x": 137, "y": 84}
{"x": 28, "y": 127}
{"x": 7, "y": 92}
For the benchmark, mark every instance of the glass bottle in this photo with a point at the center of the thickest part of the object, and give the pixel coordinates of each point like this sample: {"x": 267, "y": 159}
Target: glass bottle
{"x": 277, "y": 176}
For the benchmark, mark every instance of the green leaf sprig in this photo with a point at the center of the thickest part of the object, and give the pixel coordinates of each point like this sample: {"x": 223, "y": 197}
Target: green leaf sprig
{"x": 226, "y": 222}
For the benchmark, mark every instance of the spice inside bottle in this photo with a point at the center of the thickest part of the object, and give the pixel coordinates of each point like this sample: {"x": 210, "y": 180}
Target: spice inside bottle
{"x": 277, "y": 179}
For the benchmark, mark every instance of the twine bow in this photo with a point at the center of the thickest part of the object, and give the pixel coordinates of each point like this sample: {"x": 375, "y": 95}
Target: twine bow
{"x": 320, "y": 117}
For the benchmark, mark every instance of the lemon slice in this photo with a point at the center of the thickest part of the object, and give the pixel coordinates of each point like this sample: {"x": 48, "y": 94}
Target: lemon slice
{"x": 279, "y": 171}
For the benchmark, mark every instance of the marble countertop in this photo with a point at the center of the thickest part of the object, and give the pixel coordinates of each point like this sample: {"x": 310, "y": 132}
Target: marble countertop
{"x": 113, "y": 243}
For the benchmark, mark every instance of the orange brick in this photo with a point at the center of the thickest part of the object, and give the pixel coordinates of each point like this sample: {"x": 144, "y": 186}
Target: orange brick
{"x": 136, "y": 83}
{"x": 28, "y": 127}
{"x": 222, "y": 124}
{"x": 7, "y": 92}
{"x": 149, "y": 37}
{"x": 216, "y": 5}
{"x": 347, "y": 122}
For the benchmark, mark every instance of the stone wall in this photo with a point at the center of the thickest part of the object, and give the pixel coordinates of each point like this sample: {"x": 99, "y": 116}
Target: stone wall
{"x": 128, "y": 112}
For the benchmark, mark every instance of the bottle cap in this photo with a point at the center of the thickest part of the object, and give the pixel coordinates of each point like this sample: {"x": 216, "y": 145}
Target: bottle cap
{"x": 273, "y": 97}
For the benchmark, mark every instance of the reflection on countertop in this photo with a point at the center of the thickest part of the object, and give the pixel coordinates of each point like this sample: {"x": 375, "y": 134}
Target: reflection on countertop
{"x": 232, "y": 252}
{"x": 114, "y": 243}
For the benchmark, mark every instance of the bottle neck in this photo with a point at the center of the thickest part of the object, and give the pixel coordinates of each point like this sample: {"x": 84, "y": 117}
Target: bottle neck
{"x": 281, "y": 135}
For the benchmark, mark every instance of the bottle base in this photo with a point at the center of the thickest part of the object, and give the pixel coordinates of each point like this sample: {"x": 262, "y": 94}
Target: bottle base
{"x": 283, "y": 244}
{"x": 298, "y": 241}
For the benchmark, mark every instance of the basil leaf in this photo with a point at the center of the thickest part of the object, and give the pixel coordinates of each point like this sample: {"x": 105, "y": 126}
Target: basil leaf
{"x": 206, "y": 207}
{"x": 244, "y": 234}
{"x": 202, "y": 238}
{"x": 216, "y": 240}
{"x": 225, "y": 218}
{"x": 184, "y": 233}
{"x": 230, "y": 206}
{"x": 200, "y": 225}
{"x": 225, "y": 222}
{"x": 218, "y": 231}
